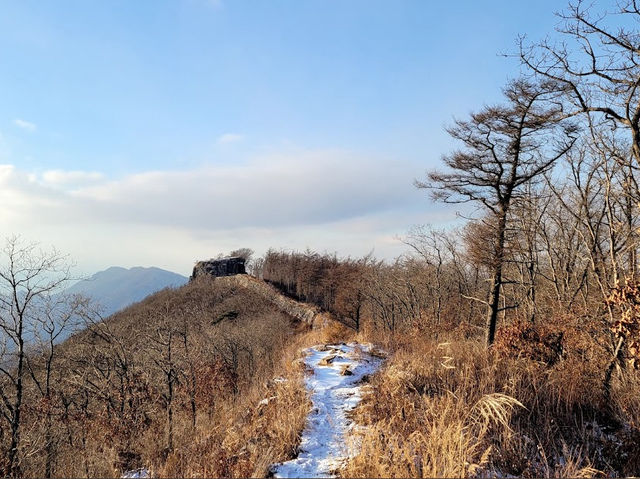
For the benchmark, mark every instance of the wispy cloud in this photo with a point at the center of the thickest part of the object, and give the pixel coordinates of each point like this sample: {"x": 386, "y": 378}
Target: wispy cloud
{"x": 229, "y": 138}
{"x": 25, "y": 125}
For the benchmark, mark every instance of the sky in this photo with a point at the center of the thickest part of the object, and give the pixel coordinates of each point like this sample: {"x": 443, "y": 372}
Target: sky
{"x": 152, "y": 133}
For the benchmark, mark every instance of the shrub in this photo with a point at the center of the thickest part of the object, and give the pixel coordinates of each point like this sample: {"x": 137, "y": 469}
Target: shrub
{"x": 531, "y": 341}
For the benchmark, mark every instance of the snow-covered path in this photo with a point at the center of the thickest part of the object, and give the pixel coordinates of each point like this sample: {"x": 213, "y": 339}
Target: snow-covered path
{"x": 334, "y": 392}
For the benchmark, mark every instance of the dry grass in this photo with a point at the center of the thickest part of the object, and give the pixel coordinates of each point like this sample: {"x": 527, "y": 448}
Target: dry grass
{"x": 262, "y": 428}
{"x": 334, "y": 332}
{"x": 244, "y": 439}
{"x": 453, "y": 409}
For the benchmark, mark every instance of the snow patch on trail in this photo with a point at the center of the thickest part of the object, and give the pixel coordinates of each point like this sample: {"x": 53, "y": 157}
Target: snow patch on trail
{"x": 334, "y": 393}
{"x": 141, "y": 473}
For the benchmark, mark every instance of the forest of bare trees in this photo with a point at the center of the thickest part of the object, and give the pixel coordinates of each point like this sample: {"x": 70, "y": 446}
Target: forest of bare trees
{"x": 550, "y": 176}
{"x": 135, "y": 385}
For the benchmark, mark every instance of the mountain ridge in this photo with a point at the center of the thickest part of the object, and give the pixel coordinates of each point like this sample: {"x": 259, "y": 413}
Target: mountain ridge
{"x": 117, "y": 287}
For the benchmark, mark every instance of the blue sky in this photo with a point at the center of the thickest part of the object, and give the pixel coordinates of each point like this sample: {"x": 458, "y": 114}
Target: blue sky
{"x": 202, "y": 125}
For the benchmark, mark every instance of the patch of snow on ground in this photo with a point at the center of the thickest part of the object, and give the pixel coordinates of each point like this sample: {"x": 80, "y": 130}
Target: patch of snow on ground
{"x": 136, "y": 473}
{"x": 323, "y": 447}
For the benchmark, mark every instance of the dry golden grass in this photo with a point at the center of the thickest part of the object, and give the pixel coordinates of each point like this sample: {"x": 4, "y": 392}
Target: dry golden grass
{"x": 334, "y": 331}
{"x": 454, "y": 409}
{"x": 260, "y": 429}
{"x": 419, "y": 427}
{"x": 249, "y": 439}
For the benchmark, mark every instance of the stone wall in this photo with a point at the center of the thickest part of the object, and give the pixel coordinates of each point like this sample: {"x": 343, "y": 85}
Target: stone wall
{"x": 306, "y": 313}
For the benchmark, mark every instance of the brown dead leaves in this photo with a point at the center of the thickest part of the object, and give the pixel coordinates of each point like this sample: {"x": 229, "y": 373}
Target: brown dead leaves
{"x": 626, "y": 327}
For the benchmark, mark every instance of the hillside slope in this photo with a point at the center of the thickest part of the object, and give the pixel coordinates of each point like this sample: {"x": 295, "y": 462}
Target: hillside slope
{"x": 175, "y": 383}
{"x": 116, "y": 288}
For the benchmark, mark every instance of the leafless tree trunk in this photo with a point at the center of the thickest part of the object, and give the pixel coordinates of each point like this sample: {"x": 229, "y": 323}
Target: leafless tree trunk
{"x": 505, "y": 148}
{"x": 57, "y": 317}
{"x": 162, "y": 341}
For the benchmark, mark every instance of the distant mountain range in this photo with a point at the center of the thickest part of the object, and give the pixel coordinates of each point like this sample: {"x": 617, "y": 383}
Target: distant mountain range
{"x": 116, "y": 288}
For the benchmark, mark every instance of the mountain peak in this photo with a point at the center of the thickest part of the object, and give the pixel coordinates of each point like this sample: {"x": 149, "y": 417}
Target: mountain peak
{"x": 116, "y": 287}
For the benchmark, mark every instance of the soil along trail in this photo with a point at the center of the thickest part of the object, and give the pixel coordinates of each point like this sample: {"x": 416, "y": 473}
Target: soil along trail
{"x": 335, "y": 380}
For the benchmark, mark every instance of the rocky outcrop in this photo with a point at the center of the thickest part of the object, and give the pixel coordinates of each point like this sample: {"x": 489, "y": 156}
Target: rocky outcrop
{"x": 219, "y": 267}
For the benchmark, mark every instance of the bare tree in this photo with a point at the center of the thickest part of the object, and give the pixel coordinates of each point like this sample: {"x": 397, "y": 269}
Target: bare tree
{"x": 504, "y": 149}
{"x": 106, "y": 368}
{"x": 598, "y": 63}
{"x": 232, "y": 348}
{"x": 57, "y": 317}
{"x": 164, "y": 340}
{"x": 529, "y": 213}
{"x": 27, "y": 280}
{"x": 434, "y": 248}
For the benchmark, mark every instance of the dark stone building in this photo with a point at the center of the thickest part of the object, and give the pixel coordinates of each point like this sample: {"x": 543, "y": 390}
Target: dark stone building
{"x": 219, "y": 267}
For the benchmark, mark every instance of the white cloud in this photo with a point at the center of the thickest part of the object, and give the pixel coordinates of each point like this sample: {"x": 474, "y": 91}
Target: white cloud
{"x": 294, "y": 189}
{"x": 25, "y": 125}
{"x": 229, "y": 138}
{"x": 67, "y": 179}
{"x": 326, "y": 200}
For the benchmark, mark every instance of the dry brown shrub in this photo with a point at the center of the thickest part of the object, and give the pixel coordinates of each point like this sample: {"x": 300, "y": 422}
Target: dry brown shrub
{"x": 467, "y": 331}
{"x": 531, "y": 341}
{"x": 626, "y": 327}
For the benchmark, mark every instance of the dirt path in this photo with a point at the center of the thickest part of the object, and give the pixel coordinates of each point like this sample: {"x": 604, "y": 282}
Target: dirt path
{"x": 335, "y": 378}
